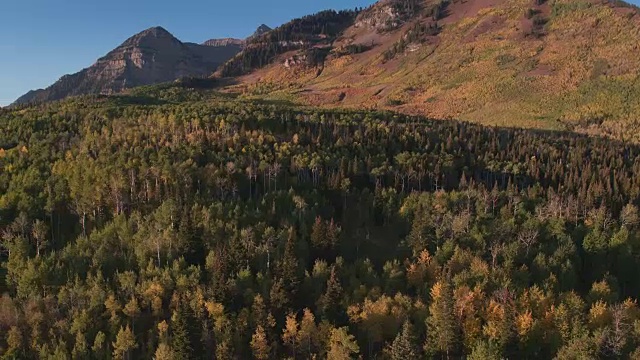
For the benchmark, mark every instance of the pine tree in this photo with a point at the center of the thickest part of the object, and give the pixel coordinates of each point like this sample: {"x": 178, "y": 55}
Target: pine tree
{"x": 15, "y": 342}
{"x": 329, "y": 302}
{"x": 125, "y": 342}
{"x": 485, "y": 351}
{"x": 318, "y": 234}
{"x": 278, "y": 295}
{"x": 80, "y": 347}
{"x": 289, "y": 265}
{"x": 342, "y": 345}
{"x": 180, "y": 339}
{"x": 404, "y": 346}
{"x": 333, "y": 232}
{"x": 132, "y": 310}
{"x": 441, "y": 323}
{"x": 98, "y": 348}
{"x": 164, "y": 352}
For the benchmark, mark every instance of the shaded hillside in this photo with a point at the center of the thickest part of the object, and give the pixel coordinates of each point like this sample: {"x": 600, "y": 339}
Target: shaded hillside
{"x": 567, "y": 64}
{"x": 150, "y": 57}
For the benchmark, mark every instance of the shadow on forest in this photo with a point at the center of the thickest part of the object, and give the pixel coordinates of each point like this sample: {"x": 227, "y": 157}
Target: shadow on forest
{"x": 122, "y": 100}
{"x": 8, "y": 146}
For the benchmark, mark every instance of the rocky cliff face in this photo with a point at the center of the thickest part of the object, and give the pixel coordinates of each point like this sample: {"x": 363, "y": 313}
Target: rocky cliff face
{"x": 150, "y": 57}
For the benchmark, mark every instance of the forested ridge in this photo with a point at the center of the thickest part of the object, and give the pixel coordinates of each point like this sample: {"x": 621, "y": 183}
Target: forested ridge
{"x": 303, "y": 33}
{"x": 181, "y": 226}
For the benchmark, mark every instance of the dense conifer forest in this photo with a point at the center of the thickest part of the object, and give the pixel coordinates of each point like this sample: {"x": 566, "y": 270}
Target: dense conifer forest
{"x": 176, "y": 225}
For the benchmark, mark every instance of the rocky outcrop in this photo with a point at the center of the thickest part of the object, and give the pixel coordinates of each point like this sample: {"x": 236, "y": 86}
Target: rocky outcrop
{"x": 381, "y": 18}
{"x": 293, "y": 61}
{"x": 150, "y": 57}
{"x": 388, "y": 15}
{"x": 224, "y": 42}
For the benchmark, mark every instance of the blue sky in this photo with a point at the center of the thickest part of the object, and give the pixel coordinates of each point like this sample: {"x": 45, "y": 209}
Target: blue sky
{"x": 41, "y": 40}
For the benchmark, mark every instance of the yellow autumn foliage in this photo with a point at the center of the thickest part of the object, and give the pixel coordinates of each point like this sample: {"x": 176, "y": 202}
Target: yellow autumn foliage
{"x": 382, "y": 317}
{"x": 495, "y": 313}
{"x": 163, "y": 328}
{"x": 524, "y": 323}
{"x": 599, "y": 315}
{"x": 214, "y": 309}
{"x": 436, "y": 290}
{"x": 468, "y": 309}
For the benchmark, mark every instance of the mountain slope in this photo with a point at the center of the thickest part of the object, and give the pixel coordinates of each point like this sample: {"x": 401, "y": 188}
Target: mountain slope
{"x": 312, "y": 34}
{"x": 150, "y": 57}
{"x": 563, "y": 64}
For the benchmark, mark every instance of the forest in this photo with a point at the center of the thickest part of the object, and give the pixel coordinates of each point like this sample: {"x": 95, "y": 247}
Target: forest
{"x": 182, "y": 224}
{"x": 303, "y": 33}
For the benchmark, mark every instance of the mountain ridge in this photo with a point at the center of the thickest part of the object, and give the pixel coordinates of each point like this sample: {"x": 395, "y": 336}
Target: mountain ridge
{"x": 151, "y": 56}
{"x": 548, "y": 64}
{"x": 557, "y": 64}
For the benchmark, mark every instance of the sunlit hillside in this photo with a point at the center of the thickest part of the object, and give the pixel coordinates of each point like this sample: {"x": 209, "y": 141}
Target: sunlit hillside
{"x": 562, "y": 64}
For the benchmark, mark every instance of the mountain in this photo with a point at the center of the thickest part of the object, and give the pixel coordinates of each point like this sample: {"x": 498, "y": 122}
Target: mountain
{"x": 262, "y": 29}
{"x": 150, "y": 57}
{"x": 557, "y": 64}
{"x": 547, "y": 64}
{"x": 311, "y": 35}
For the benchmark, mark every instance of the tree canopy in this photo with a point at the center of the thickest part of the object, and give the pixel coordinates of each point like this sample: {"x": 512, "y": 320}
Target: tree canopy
{"x": 176, "y": 224}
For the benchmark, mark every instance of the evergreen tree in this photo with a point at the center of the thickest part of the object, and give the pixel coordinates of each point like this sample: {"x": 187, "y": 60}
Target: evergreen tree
{"x": 442, "y": 329}
{"x": 80, "y": 348}
{"x": 405, "y": 345}
{"x": 319, "y": 234}
{"x": 14, "y": 341}
{"x": 329, "y": 302}
{"x": 485, "y": 351}
{"x": 98, "y": 349}
{"x": 342, "y": 345}
{"x": 164, "y": 352}
{"x": 180, "y": 340}
{"x": 288, "y": 267}
{"x": 124, "y": 344}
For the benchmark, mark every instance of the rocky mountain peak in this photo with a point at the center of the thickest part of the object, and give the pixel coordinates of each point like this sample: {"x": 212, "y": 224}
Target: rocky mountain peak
{"x": 150, "y": 37}
{"x": 262, "y": 29}
{"x": 149, "y": 57}
{"x": 157, "y": 31}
